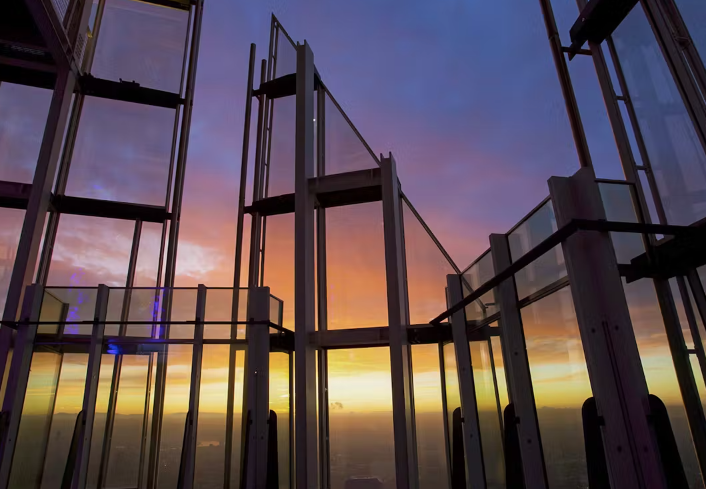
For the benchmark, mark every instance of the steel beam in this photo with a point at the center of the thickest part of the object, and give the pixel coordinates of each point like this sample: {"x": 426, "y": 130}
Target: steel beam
{"x": 611, "y": 353}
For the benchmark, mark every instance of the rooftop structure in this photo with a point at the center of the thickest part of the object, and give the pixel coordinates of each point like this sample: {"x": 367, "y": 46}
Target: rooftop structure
{"x": 570, "y": 354}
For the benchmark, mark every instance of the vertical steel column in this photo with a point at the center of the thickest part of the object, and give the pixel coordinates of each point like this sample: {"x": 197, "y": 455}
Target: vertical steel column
{"x": 612, "y": 358}
{"x": 257, "y": 371}
{"x": 475, "y": 469}
{"x": 90, "y": 393}
{"x": 445, "y": 412}
{"x": 517, "y": 368}
{"x": 188, "y": 451}
{"x": 567, "y": 89}
{"x": 398, "y": 318}
{"x": 304, "y": 278}
{"x": 18, "y": 378}
{"x": 37, "y": 206}
{"x": 322, "y": 291}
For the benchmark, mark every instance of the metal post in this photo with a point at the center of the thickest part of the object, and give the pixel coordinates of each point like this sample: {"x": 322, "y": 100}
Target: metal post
{"x": 693, "y": 327}
{"x": 90, "y": 394}
{"x": 18, "y": 378}
{"x": 613, "y": 361}
{"x": 304, "y": 278}
{"x": 398, "y": 319}
{"x": 257, "y": 370}
{"x": 469, "y": 407}
{"x": 188, "y": 451}
{"x": 445, "y": 412}
{"x": 517, "y": 369}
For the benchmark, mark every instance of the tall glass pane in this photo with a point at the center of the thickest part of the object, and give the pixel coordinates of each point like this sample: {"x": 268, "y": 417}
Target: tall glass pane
{"x": 491, "y": 434}
{"x": 618, "y": 205}
{"x": 360, "y": 411}
{"x": 286, "y": 63}
{"x": 67, "y": 405}
{"x": 81, "y": 303}
{"x": 693, "y": 12}
{"x": 427, "y": 268}
{"x": 141, "y": 42}
{"x": 24, "y": 114}
{"x": 659, "y": 370}
{"x": 12, "y": 220}
{"x": 148, "y": 255}
{"x": 676, "y": 154}
{"x": 453, "y": 394}
{"x": 478, "y": 274}
{"x": 561, "y": 386}
{"x": 279, "y": 263}
{"x": 345, "y": 150}
{"x": 500, "y": 375}
{"x": 37, "y": 411}
{"x": 104, "y": 380}
{"x": 280, "y": 173}
{"x": 122, "y": 152}
{"x": 429, "y": 417}
{"x": 355, "y": 266}
{"x": 239, "y": 367}
{"x": 279, "y": 403}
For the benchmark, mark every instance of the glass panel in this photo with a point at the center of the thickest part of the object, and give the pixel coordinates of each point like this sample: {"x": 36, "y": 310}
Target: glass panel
{"x": 280, "y": 175}
{"x": 491, "y": 434}
{"x": 183, "y": 309}
{"x": 177, "y": 393}
{"x": 561, "y": 386}
{"x": 237, "y": 419}
{"x": 659, "y": 370}
{"x": 12, "y": 220}
{"x": 148, "y": 255}
{"x": 213, "y": 405}
{"x": 429, "y": 417}
{"x": 52, "y": 310}
{"x": 145, "y": 305}
{"x": 68, "y": 403}
{"x": 427, "y": 268}
{"x": 104, "y": 380}
{"x": 37, "y": 411}
{"x": 500, "y": 375}
{"x": 91, "y": 250}
{"x": 453, "y": 392}
{"x": 478, "y": 274}
{"x": 360, "y": 397}
{"x": 81, "y": 307}
{"x": 355, "y": 266}
{"x": 618, "y": 205}
{"x": 279, "y": 263}
{"x": 122, "y": 152}
{"x": 24, "y": 114}
{"x": 275, "y": 311}
{"x": 536, "y": 228}
{"x": 141, "y": 42}
{"x": 219, "y": 307}
{"x": 599, "y": 134}
{"x": 676, "y": 154}
{"x": 124, "y": 461}
{"x": 693, "y": 12}
{"x": 345, "y": 150}
{"x": 279, "y": 403}
{"x": 286, "y": 56}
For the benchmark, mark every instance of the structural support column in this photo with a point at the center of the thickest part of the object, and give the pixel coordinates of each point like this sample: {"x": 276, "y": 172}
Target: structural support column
{"x": 90, "y": 393}
{"x": 469, "y": 407}
{"x": 257, "y": 367}
{"x": 188, "y": 451}
{"x": 611, "y": 353}
{"x": 398, "y": 317}
{"x": 304, "y": 278}
{"x": 517, "y": 366}
{"x": 18, "y": 378}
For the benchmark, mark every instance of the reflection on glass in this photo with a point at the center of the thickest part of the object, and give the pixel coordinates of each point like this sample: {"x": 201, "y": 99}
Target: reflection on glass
{"x": 124, "y": 461}
{"x": 659, "y": 370}
{"x": 148, "y": 255}
{"x": 36, "y": 418}
{"x": 141, "y": 42}
{"x": 536, "y": 228}
{"x": 618, "y": 205}
{"x": 67, "y": 405}
{"x": 453, "y": 391}
{"x": 279, "y": 263}
{"x": 286, "y": 63}
{"x": 427, "y": 268}
{"x": 355, "y": 266}
{"x": 279, "y": 403}
{"x": 122, "y": 152}
{"x": 676, "y": 154}
{"x": 24, "y": 114}
{"x": 52, "y": 310}
{"x": 345, "y": 150}
{"x": 479, "y": 273}
{"x": 12, "y": 220}
{"x": 429, "y": 417}
{"x": 561, "y": 386}
{"x": 177, "y": 392}
{"x": 280, "y": 174}
{"x": 491, "y": 434}
{"x": 81, "y": 307}
{"x": 360, "y": 416}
